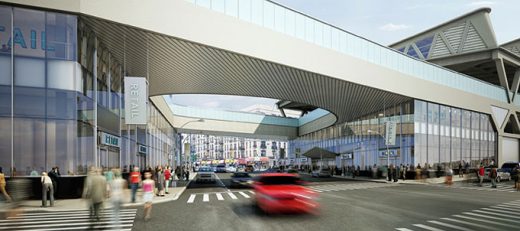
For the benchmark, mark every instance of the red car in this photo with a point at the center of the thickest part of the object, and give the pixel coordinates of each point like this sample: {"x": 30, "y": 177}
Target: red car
{"x": 284, "y": 193}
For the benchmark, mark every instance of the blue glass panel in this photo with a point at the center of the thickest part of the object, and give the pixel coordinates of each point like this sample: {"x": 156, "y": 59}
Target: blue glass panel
{"x": 411, "y": 52}
{"x": 424, "y": 45}
{"x": 401, "y": 49}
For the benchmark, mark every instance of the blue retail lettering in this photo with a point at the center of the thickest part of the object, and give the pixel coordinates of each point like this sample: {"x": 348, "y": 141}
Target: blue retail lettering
{"x": 18, "y": 37}
{"x": 33, "y": 39}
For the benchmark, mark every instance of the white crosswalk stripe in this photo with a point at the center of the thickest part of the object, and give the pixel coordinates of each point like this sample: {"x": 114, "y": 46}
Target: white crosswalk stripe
{"x": 485, "y": 187}
{"x": 220, "y": 196}
{"x": 498, "y": 217}
{"x": 346, "y": 187}
{"x": 69, "y": 220}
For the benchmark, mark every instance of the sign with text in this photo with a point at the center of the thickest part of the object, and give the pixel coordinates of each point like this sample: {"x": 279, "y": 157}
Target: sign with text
{"x": 136, "y": 98}
{"x": 109, "y": 140}
{"x": 143, "y": 149}
{"x": 391, "y": 127}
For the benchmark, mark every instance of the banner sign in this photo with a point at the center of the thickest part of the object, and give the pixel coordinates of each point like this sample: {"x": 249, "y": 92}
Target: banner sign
{"x": 143, "y": 149}
{"x": 109, "y": 140}
{"x": 393, "y": 153}
{"x": 391, "y": 127}
{"x": 136, "y": 99}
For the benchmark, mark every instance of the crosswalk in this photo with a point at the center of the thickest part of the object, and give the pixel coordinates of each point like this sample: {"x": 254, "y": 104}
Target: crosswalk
{"x": 499, "y": 217}
{"x": 485, "y": 187}
{"x": 219, "y": 196}
{"x": 350, "y": 186}
{"x": 69, "y": 220}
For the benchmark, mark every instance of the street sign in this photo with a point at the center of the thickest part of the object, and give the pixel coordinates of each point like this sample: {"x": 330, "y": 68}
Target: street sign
{"x": 391, "y": 127}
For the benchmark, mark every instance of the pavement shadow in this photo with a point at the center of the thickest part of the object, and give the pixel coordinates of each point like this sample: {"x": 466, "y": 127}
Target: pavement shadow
{"x": 249, "y": 209}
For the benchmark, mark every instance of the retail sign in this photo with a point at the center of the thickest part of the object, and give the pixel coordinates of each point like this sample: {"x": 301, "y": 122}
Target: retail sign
{"x": 136, "y": 99}
{"x": 109, "y": 140}
{"x": 390, "y": 133}
{"x": 143, "y": 149}
{"x": 393, "y": 153}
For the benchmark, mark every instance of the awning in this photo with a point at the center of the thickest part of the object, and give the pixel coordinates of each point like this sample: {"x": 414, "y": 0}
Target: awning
{"x": 319, "y": 153}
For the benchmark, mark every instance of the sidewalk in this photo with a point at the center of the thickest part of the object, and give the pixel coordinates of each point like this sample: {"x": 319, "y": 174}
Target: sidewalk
{"x": 439, "y": 180}
{"x": 81, "y": 204}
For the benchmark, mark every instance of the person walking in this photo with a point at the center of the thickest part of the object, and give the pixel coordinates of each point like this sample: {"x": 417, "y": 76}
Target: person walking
{"x": 187, "y": 174}
{"x": 47, "y": 187}
{"x": 3, "y": 183}
{"x": 54, "y": 174}
{"x": 135, "y": 179}
{"x": 390, "y": 172}
{"x": 95, "y": 191}
{"x": 118, "y": 186}
{"x": 461, "y": 173}
{"x": 178, "y": 172}
{"x": 493, "y": 176}
{"x": 109, "y": 176}
{"x": 516, "y": 172}
{"x": 167, "y": 178}
{"x": 148, "y": 186}
{"x": 160, "y": 182}
{"x": 481, "y": 174}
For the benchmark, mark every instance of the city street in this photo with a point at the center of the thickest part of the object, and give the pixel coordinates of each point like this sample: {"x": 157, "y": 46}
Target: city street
{"x": 345, "y": 205}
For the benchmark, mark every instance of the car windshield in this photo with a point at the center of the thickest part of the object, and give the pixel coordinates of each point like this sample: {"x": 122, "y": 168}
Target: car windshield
{"x": 279, "y": 180}
{"x": 221, "y": 166}
{"x": 205, "y": 169}
{"x": 241, "y": 174}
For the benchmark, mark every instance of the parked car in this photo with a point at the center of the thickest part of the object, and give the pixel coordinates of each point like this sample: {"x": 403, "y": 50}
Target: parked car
{"x": 321, "y": 173}
{"x": 231, "y": 168}
{"x": 501, "y": 175}
{"x": 508, "y": 167}
{"x": 206, "y": 174}
{"x": 283, "y": 192}
{"x": 221, "y": 168}
{"x": 241, "y": 179}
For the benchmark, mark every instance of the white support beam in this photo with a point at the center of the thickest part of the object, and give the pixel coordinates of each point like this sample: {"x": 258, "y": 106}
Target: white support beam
{"x": 502, "y": 76}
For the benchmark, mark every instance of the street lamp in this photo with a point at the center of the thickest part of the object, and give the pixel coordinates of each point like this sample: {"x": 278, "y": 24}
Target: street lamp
{"x": 200, "y": 120}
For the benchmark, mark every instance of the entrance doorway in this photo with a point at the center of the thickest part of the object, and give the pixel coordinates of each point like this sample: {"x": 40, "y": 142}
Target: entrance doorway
{"x": 108, "y": 157}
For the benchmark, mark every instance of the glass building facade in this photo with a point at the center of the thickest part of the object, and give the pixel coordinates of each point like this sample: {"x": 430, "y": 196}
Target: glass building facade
{"x": 60, "y": 94}
{"x": 426, "y": 133}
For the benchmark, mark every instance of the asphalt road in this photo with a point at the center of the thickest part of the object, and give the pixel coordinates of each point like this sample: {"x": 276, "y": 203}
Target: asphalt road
{"x": 345, "y": 205}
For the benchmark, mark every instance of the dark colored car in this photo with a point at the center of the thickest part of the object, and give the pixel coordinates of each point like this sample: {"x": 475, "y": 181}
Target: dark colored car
{"x": 221, "y": 168}
{"x": 284, "y": 193}
{"x": 509, "y": 167}
{"x": 249, "y": 168}
{"x": 241, "y": 179}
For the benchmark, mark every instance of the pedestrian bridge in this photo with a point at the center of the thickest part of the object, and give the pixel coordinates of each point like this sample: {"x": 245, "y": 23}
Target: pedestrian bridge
{"x": 261, "y": 49}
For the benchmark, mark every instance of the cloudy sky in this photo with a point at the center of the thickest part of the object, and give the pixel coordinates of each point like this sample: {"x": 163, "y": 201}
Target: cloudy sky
{"x": 382, "y": 21}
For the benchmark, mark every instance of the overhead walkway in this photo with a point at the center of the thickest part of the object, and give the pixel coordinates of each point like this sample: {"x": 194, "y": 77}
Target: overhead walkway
{"x": 261, "y": 49}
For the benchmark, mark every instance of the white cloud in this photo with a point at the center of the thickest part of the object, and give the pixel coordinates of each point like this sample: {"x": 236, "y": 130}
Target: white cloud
{"x": 481, "y": 3}
{"x": 393, "y": 27}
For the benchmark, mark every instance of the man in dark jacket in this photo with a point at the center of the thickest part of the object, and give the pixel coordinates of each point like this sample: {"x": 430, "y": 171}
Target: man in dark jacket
{"x": 54, "y": 174}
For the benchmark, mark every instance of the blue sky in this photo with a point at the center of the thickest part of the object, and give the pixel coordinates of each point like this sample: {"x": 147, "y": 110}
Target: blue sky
{"x": 382, "y": 21}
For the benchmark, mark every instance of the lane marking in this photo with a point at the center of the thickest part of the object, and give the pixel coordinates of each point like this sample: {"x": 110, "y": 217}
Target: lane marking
{"x": 403, "y": 229}
{"x": 205, "y": 198}
{"x": 219, "y": 196}
{"x": 244, "y": 195}
{"x": 450, "y": 226}
{"x": 427, "y": 227}
{"x": 491, "y": 217}
{"x": 192, "y": 198}
{"x": 485, "y": 221}
{"x": 503, "y": 210}
{"x": 232, "y": 195}
{"x": 252, "y": 192}
{"x": 495, "y": 214}
{"x": 468, "y": 223}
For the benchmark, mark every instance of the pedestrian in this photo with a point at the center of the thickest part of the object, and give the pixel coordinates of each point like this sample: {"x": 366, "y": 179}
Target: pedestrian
{"x": 187, "y": 174}
{"x": 493, "y": 176}
{"x": 396, "y": 173}
{"x": 418, "y": 172}
{"x": 118, "y": 186}
{"x": 167, "y": 178}
{"x": 481, "y": 174}
{"x": 160, "y": 182}
{"x": 54, "y": 174}
{"x": 461, "y": 173}
{"x": 405, "y": 170}
{"x": 449, "y": 175}
{"x": 109, "y": 176}
{"x": 148, "y": 185}
{"x": 47, "y": 187}
{"x": 516, "y": 173}
{"x": 95, "y": 191}
{"x": 390, "y": 172}
{"x": 3, "y": 183}
{"x": 178, "y": 172}
{"x": 135, "y": 180}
